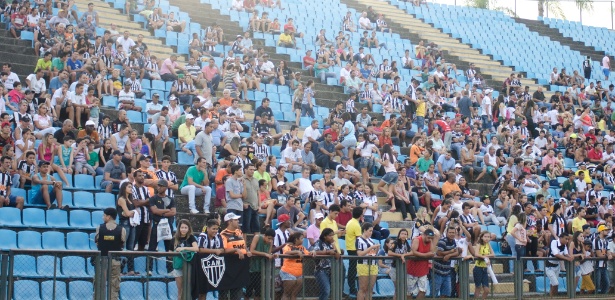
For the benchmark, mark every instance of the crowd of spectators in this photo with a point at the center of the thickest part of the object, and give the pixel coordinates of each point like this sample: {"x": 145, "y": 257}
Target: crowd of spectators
{"x": 551, "y": 159}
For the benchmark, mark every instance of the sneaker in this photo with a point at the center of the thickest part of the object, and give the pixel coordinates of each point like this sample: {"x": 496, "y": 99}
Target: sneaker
{"x": 206, "y": 211}
{"x": 194, "y": 211}
{"x": 149, "y": 273}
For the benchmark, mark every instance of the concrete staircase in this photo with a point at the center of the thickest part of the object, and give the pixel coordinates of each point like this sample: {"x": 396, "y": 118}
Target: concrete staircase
{"x": 554, "y": 35}
{"x": 109, "y": 15}
{"x": 456, "y": 52}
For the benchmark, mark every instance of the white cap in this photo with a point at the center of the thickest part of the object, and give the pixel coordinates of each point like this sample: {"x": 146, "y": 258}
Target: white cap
{"x": 457, "y": 166}
{"x": 281, "y": 183}
{"x": 319, "y": 216}
{"x": 231, "y": 216}
{"x": 172, "y": 98}
{"x": 90, "y": 123}
{"x": 189, "y": 116}
{"x": 488, "y": 91}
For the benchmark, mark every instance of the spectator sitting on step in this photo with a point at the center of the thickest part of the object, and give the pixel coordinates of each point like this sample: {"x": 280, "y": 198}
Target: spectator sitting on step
{"x": 169, "y": 68}
{"x": 175, "y": 25}
{"x": 126, "y": 99}
{"x": 291, "y": 158}
{"x": 237, "y": 5}
{"x": 45, "y": 188}
{"x": 291, "y": 29}
{"x": 156, "y": 19}
{"x": 364, "y": 22}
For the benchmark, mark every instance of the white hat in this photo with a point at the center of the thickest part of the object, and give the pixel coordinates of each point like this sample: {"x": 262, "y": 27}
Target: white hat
{"x": 281, "y": 183}
{"x": 231, "y": 216}
{"x": 172, "y": 98}
{"x": 319, "y": 216}
{"x": 90, "y": 123}
{"x": 457, "y": 166}
{"x": 488, "y": 91}
{"x": 189, "y": 116}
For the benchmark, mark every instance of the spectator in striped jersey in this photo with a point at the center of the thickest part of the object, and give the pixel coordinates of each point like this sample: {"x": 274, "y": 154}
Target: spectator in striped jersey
{"x": 26, "y": 169}
{"x": 165, "y": 173}
{"x": 6, "y": 182}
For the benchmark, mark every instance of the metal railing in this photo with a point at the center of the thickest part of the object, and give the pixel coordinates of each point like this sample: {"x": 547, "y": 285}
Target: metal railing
{"x": 27, "y": 274}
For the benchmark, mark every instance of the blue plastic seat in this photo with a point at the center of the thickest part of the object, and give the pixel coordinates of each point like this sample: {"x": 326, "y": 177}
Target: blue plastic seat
{"x": 53, "y": 240}
{"x": 83, "y": 200}
{"x": 97, "y": 216}
{"x": 27, "y": 290}
{"x": 184, "y": 159}
{"x": 57, "y": 218}
{"x": 29, "y": 240}
{"x": 81, "y": 219}
{"x": 131, "y": 290}
{"x": 77, "y": 241}
{"x": 78, "y": 290}
{"x": 10, "y": 217}
{"x": 305, "y": 121}
{"x": 48, "y": 265}
{"x": 84, "y": 182}
{"x": 172, "y": 290}
{"x": 34, "y": 217}
{"x": 74, "y": 266}
{"x": 8, "y": 238}
{"x": 92, "y": 242}
{"x": 104, "y": 200}
{"x": 157, "y": 290}
{"x": 48, "y": 287}
{"x": 24, "y": 266}
{"x": 97, "y": 180}
{"x": 386, "y": 287}
{"x": 134, "y": 116}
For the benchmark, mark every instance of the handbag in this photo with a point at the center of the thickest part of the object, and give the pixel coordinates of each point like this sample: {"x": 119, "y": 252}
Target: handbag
{"x": 178, "y": 261}
{"x": 164, "y": 230}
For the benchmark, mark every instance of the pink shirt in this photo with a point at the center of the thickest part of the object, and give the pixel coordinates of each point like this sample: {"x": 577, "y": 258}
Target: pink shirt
{"x": 209, "y": 73}
{"x": 549, "y": 160}
{"x": 165, "y": 66}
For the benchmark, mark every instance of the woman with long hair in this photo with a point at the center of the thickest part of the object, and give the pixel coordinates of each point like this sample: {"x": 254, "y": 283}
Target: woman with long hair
{"x": 292, "y": 267}
{"x": 367, "y": 269}
{"x": 279, "y": 177}
{"x": 366, "y": 150}
{"x": 297, "y": 99}
{"x": 325, "y": 245}
{"x": 513, "y": 219}
{"x": 126, "y": 210}
{"x": 267, "y": 205}
{"x": 390, "y": 178}
{"x": 422, "y": 222}
{"x": 47, "y": 151}
{"x": 401, "y": 248}
{"x": 183, "y": 240}
{"x": 520, "y": 234}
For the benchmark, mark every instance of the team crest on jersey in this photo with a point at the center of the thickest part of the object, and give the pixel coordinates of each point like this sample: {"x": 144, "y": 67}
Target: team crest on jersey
{"x": 213, "y": 268}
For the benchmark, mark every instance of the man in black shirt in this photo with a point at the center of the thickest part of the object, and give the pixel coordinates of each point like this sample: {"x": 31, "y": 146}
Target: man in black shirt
{"x": 265, "y": 109}
{"x": 162, "y": 208}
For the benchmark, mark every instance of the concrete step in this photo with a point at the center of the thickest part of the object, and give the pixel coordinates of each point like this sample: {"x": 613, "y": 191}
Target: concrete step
{"x": 504, "y": 288}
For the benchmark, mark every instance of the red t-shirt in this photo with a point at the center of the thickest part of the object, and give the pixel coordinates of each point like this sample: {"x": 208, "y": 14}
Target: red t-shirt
{"x": 289, "y": 27}
{"x": 333, "y": 134}
{"x": 308, "y": 61}
{"x": 593, "y": 154}
{"x": 343, "y": 218}
{"x": 443, "y": 125}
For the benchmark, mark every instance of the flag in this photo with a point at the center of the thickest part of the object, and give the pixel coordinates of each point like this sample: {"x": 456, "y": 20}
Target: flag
{"x": 211, "y": 272}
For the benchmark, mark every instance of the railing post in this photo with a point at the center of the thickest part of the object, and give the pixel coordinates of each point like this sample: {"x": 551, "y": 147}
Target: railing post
{"x": 337, "y": 278}
{"x": 571, "y": 287}
{"x": 11, "y": 280}
{"x": 464, "y": 279}
{"x": 518, "y": 269}
{"x": 99, "y": 288}
{"x": 108, "y": 263}
{"x": 267, "y": 280}
{"x": 400, "y": 285}
{"x": 187, "y": 280}
{"x": 3, "y": 275}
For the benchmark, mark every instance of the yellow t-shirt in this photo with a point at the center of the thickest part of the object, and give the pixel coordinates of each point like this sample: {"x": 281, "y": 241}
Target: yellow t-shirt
{"x": 187, "y": 133}
{"x": 586, "y": 176}
{"x": 353, "y": 230}
{"x": 483, "y": 250}
{"x": 421, "y": 109}
{"x": 41, "y": 64}
{"x": 577, "y": 224}
{"x": 285, "y": 38}
{"x": 328, "y": 223}
{"x": 511, "y": 223}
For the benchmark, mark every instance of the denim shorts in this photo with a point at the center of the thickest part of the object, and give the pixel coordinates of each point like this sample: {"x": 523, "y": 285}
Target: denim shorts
{"x": 286, "y": 276}
{"x": 350, "y": 142}
{"x": 420, "y": 122}
{"x": 481, "y": 277}
{"x": 390, "y": 178}
{"x": 367, "y": 163}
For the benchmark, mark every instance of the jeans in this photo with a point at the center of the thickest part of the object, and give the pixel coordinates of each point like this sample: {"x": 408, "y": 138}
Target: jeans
{"x": 307, "y": 110}
{"x": 520, "y": 251}
{"x": 250, "y": 220}
{"x": 130, "y": 242}
{"x": 511, "y": 242}
{"x": 602, "y": 280}
{"x": 325, "y": 75}
{"x": 486, "y": 122}
{"x": 456, "y": 147}
{"x": 381, "y": 234}
{"x": 352, "y": 273}
{"x": 213, "y": 84}
{"x": 323, "y": 279}
{"x": 192, "y": 191}
{"x": 16, "y": 177}
{"x": 443, "y": 285}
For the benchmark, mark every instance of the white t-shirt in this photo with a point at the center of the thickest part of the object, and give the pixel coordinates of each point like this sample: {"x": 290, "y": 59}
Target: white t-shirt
{"x": 365, "y": 22}
{"x": 127, "y": 44}
{"x": 310, "y": 132}
{"x": 267, "y": 66}
{"x": 486, "y": 104}
{"x": 37, "y": 85}
{"x": 290, "y": 154}
{"x": 123, "y": 96}
{"x": 553, "y": 116}
{"x": 20, "y": 142}
{"x": 366, "y": 151}
{"x": 605, "y": 62}
{"x": 369, "y": 200}
{"x": 42, "y": 120}
{"x": 344, "y": 73}
{"x": 77, "y": 99}
{"x": 12, "y": 78}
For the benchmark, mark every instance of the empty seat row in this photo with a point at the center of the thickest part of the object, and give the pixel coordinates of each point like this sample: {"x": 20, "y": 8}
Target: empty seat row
{"x": 53, "y": 218}
{"x": 50, "y": 240}
{"x": 80, "y": 199}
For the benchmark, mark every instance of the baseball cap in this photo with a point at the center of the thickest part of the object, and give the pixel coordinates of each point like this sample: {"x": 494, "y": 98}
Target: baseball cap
{"x": 602, "y": 228}
{"x": 189, "y": 116}
{"x": 281, "y": 183}
{"x": 117, "y": 152}
{"x": 163, "y": 182}
{"x": 145, "y": 157}
{"x": 488, "y": 91}
{"x": 573, "y": 135}
{"x": 6, "y": 124}
{"x": 90, "y": 123}
{"x": 457, "y": 166}
{"x": 231, "y": 216}
{"x": 578, "y": 201}
{"x": 319, "y": 216}
{"x": 282, "y": 218}
{"x": 429, "y": 232}
{"x": 155, "y": 95}
{"x": 172, "y": 98}
{"x": 25, "y": 119}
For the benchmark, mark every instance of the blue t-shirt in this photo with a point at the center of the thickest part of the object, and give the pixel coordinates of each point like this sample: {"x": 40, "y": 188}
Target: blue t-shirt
{"x": 56, "y": 83}
{"x": 74, "y": 65}
{"x": 350, "y": 127}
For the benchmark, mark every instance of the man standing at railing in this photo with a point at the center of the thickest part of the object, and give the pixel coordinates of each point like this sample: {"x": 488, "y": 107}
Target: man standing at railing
{"x": 110, "y": 237}
{"x": 423, "y": 248}
{"x": 558, "y": 251}
{"x": 600, "y": 248}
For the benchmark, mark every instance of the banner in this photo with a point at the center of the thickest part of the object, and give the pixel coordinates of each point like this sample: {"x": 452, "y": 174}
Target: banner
{"x": 211, "y": 272}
